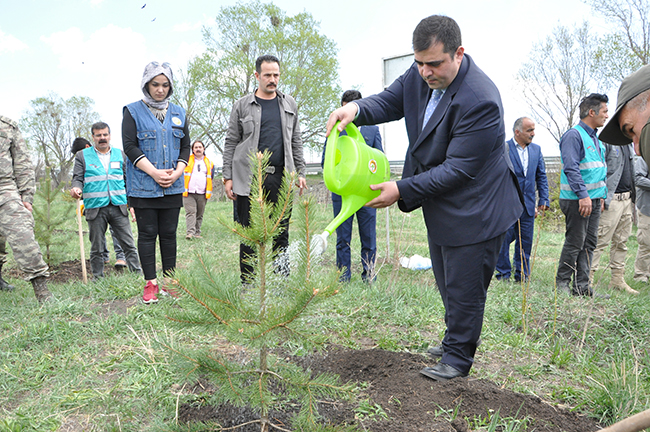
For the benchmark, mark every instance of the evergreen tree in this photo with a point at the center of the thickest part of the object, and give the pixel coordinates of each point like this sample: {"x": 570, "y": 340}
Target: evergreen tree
{"x": 270, "y": 310}
{"x": 50, "y": 213}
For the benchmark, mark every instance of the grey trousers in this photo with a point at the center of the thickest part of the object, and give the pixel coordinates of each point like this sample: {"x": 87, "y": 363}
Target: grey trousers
{"x": 580, "y": 241}
{"x": 113, "y": 216}
{"x": 194, "y": 205}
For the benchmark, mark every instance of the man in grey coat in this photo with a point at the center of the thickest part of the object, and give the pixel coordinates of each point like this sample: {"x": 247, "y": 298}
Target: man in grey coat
{"x": 266, "y": 120}
{"x": 615, "y": 223}
{"x": 642, "y": 181}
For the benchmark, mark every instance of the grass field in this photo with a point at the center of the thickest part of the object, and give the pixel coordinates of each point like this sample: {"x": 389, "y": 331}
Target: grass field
{"x": 90, "y": 361}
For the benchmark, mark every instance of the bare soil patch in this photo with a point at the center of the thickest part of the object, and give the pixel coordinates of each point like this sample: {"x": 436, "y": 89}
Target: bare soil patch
{"x": 66, "y": 271}
{"x": 411, "y": 401}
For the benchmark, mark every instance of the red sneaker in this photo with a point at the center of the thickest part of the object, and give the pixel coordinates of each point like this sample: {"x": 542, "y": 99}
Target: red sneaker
{"x": 150, "y": 291}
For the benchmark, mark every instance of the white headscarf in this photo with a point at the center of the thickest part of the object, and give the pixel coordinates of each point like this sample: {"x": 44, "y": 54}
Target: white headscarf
{"x": 151, "y": 71}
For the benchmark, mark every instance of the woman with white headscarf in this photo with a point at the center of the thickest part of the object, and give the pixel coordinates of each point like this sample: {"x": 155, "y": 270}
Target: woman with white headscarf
{"x": 156, "y": 141}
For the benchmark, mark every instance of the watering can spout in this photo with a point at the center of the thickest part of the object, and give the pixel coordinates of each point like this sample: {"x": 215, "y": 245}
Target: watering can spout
{"x": 350, "y": 167}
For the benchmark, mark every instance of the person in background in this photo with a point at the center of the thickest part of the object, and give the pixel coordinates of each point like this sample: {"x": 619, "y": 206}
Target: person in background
{"x": 98, "y": 174}
{"x": 642, "y": 182}
{"x": 615, "y": 224}
{"x": 156, "y": 139}
{"x": 79, "y": 144}
{"x": 528, "y": 164}
{"x": 265, "y": 120}
{"x": 582, "y": 194}
{"x": 198, "y": 189}
{"x": 366, "y": 216}
{"x": 16, "y": 197}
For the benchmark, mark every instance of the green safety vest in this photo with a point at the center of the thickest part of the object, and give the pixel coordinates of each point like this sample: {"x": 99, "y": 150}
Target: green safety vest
{"x": 593, "y": 170}
{"x": 102, "y": 188}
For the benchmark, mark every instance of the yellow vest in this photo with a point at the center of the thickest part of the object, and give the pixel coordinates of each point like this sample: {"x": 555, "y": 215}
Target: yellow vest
{"x": 188, "y": 173}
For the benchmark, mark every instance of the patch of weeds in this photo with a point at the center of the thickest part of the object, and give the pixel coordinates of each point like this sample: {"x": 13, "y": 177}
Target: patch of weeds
{"x": 560, "y": 355}
{"x": 447, "y": 414}
{"x": 494, "y": 422}
{"x": 369, "y": 411}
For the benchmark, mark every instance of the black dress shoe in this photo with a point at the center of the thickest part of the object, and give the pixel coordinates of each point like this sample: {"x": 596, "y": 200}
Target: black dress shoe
{"x": 436, "y": 351}
{"x": 442, "y": 372}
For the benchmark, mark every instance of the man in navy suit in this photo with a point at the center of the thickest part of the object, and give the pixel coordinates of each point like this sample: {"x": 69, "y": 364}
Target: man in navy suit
{"x": 366, "y": 216}
{"x": 528, "y": 163}
{"x": 455, "y": 170}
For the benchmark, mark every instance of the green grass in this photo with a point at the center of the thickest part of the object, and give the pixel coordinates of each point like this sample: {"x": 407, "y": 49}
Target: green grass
{"x": 73, "y": 362}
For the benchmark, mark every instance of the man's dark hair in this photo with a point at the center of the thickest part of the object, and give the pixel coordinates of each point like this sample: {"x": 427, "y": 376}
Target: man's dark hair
{"x": 350, "y": 95}
{"x": 437, "y": 28}
{"x": 265, "y": 58}
{"x": 592, "y": 102}
{"x": 99, "y": 126}
{"x": 197, "y": 141}
{"x": 79, "y": 144}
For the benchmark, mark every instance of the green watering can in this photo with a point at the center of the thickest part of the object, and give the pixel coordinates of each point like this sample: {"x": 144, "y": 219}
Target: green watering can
{"x": 350, "y": 167}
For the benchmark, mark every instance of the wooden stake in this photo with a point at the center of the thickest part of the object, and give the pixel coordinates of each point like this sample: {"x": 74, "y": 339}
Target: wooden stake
{"x": 81, "y": 243}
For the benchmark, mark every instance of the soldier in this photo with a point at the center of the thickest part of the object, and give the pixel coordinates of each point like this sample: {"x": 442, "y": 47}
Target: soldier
{"x": 4, "y": 285}
{"x": 16, "y": 197}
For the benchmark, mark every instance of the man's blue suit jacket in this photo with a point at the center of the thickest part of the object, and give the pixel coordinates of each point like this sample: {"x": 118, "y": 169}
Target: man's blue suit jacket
{"x": 536, "y": 176}
{"x": 455, "y": 169}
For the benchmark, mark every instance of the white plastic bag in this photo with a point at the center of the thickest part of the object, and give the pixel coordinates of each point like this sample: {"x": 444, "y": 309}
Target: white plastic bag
{"x": 416, "y": 262}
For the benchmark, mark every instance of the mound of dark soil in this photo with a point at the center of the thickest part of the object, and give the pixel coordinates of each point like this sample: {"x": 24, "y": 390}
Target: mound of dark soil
{"x": 411, "y": 401}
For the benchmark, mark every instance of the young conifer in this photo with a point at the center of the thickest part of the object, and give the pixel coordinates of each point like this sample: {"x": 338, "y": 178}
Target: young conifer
{"x": 273, "y": 308}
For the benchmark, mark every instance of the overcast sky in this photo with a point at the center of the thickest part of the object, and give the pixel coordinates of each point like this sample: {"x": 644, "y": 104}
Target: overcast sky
{"x": 98, "y": 48}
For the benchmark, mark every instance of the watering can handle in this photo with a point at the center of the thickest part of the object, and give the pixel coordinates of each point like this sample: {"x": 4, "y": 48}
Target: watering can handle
{"x": 331, "y": 156}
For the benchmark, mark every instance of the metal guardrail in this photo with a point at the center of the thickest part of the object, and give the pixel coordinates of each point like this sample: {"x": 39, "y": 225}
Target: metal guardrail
{"x": 315, "y": 168}
{"x": 553, "y": 165}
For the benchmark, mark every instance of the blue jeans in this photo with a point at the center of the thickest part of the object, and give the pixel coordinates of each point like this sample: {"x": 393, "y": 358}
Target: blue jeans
{"x": 367, "y": 220}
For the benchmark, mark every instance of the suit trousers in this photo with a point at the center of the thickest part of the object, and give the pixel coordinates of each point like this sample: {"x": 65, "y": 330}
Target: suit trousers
{"x": 113, "y": 216}
{"x": 522, "y": 234}
{"x": 642, "y": 261}
{"x": 272, "y": 184}
{"x": 463, "y": 274}
{"x": 194, "y": 205}
{"x": 580, "y": 240}
{"x": 615, "y": 227}
{"x": 367, "y": 221}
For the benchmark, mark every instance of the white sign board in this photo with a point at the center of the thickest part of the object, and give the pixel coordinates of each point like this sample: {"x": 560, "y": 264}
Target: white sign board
{"x": 395, "y": 137}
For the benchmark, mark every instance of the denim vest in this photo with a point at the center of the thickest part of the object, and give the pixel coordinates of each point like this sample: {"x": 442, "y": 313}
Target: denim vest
{"x": 592, "y": 168}
{"x": 102, "y": 188}
{"x": 161, "y": 144}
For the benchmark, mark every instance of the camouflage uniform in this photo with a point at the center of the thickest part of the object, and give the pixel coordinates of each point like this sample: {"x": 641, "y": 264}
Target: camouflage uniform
{"x": 3, "y": 251}
{"x": 16, "y": 187}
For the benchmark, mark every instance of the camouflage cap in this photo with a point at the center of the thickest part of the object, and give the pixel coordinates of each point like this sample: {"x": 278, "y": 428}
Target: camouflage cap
{"x": 633, "y": 85}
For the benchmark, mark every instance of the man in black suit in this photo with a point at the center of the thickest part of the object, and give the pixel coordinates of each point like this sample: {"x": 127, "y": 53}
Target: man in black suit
{"x": 455, "y": 169}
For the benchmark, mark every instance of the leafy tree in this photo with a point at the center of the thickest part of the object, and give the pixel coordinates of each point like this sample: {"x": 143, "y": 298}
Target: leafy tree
{"x": 560, "y": 71}
{"x": 273, "y": 308}
{"x": 225, "y": 72}
{"x": 628, "y": 47}
{"x": 51, "y": 124}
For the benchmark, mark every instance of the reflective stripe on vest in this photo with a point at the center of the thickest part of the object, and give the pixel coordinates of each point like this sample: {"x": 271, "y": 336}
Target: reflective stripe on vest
{"x": 188, "y": 174}
{"x": 592, "y": 169}
{"x": 102, "y": 188}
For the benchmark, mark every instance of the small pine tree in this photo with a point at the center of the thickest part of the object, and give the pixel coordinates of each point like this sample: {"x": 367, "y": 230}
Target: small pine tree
{"x": 50, "y": 213}
{"x": 269, "y": 311}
